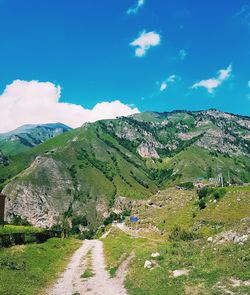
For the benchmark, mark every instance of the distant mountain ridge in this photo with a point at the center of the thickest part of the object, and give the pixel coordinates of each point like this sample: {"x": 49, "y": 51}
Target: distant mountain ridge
{"x": 28, "y": 136}
{"x": 83, "y": 171}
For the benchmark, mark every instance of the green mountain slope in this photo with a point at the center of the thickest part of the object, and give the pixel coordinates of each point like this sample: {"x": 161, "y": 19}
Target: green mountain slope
{"x": 82, "y": 171}
{"x": 27, "y": 136}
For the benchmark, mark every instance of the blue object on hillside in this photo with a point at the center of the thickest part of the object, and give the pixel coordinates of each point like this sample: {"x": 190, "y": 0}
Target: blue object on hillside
{"x": 134, "y": 219}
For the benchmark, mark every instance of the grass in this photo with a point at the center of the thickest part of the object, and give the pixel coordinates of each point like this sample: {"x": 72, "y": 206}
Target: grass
{"x": 88, "y": 272}
{"x": 207, "y": 266}
{"x": 29, "y": 269}
{"x": 118, "y": 246}
{"x": 208, "y": 263}
{"x": 11, "y": 229}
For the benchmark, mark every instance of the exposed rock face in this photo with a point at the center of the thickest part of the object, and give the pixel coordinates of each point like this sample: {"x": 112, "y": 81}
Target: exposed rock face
{"x": 219, "y": 141}
{"x": 41, "y": 196}
{"x": 147, "y": 150}
{"x": 32, "y": 204}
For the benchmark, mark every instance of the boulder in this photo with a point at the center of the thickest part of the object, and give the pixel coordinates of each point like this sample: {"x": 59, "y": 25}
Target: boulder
{"x": 210, "y": 239}
{"x": 154, "y": 255}
{"x": 148, "y": 264}
{"x": 180, "y": 272}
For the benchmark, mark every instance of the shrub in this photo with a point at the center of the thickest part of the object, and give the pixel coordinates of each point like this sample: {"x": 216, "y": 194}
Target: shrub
{"x": 219, "y": 193}
{"x": 18, "y": 220}
{"x": 202, "y": 204}
{"x": 76, "y": 221}
{"x": 179, "y": 234}
{"x": 186, "y": 185}
{"x": 126, "y": 212}
{"x": 203, "y": 192}
{"x": 113, "y": 216}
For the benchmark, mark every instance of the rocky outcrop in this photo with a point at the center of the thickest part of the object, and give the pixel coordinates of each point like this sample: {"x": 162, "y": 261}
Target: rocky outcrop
{"x": 147, "y": 150}
{"x": 40, "y": 196}
{"x": 232, "y": 237}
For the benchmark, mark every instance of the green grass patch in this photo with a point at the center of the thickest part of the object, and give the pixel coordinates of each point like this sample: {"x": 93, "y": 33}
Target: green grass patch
{"x": 11, "y": 229}
{"x": 88, "y": 272}
{"x": 28, "y": 269}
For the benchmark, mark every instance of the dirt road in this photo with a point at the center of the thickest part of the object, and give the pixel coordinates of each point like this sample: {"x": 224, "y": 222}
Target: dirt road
{"x": 100, "y": 284}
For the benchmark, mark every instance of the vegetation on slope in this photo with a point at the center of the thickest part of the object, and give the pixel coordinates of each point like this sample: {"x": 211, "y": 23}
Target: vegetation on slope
{"x": 212, "y": 267}
{"x": 81, "y": 172}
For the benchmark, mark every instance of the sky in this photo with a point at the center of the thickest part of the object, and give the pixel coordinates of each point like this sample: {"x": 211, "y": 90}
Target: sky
{"x": 84, "y": 60}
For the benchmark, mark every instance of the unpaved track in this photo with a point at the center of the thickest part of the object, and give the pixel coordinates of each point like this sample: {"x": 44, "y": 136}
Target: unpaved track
{"x": 100, "y": 284}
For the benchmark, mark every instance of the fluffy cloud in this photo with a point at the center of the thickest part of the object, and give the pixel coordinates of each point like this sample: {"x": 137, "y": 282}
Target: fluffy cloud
{"x": 213, "y": 83}
{"x": 165, "y": 83}
{"x": 34, "y": 102}
{"x": 248, "y": 83}
{"x": 145, "y": 41}
{"x": 182, "y": 54}
{"x": 136, "y": 7}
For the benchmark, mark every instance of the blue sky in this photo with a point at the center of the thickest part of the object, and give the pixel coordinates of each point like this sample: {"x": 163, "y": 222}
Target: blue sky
{"x": 85, "y": 46}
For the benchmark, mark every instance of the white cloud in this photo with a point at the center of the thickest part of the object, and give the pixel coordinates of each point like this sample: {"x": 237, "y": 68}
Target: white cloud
{"x": 182, "y": 54}
{"x": 225, "y": 74}
{"x": 248, "y": 83}
{"x": 163, "y": 86}
{"x": 165, "y": 83}
{"x": 34, "y": 102}
{"x": 136, "y": 7}
{"x": 145, "y": 41}
{"x": 213, "y": 83}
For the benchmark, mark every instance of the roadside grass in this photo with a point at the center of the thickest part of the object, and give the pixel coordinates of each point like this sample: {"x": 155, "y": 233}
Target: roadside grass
{"x": 119, "y": 245}
{"x": 88, "y": 273}
{"x": 208, "y": 263}
{"x": 11, "y": 229}
{"x": 30, "y": 269}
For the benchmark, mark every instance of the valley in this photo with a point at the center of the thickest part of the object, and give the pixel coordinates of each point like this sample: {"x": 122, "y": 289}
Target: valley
{"x": 183, "y": 175}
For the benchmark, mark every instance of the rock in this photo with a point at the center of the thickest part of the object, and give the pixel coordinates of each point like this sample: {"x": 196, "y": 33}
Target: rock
{"x": 231, "y": 236}
{"x": 38, "y": 204}
{"x": 246, "y": 219}
{"x": 210, "y": 239}
{"x": 147, "y": 150}
{"x": 241, "y": 239}
{"x": 148, "y": 264}
{"x": 156, "y": 254}
{"x": 180, "y": 272}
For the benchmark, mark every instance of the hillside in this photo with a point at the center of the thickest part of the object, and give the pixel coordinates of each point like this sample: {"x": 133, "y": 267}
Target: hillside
{"x": 28, "y": 136}
{"x": 199, "y": 251}
{"x": 83, "y": 171}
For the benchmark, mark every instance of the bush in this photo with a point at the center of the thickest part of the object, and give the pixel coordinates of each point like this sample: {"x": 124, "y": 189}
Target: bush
{"x": 18, "y": 220}
{"x": 179, "y": 234}
{"x": 186, "y": 185}
{"x": 89, "y": 235}
{"x": 76, "y": 221}
{"x": 126, "y": 212}
{"x": 202, "y": 204}
{"x": 219, "y": 193}
{"x": 203, "y": 192}
{"x": 113, "y": 216}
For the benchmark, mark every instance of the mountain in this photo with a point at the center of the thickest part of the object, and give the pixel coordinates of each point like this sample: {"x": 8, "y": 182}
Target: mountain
{"x": 83, "y": 171}
{"x": 28, "y": 136}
